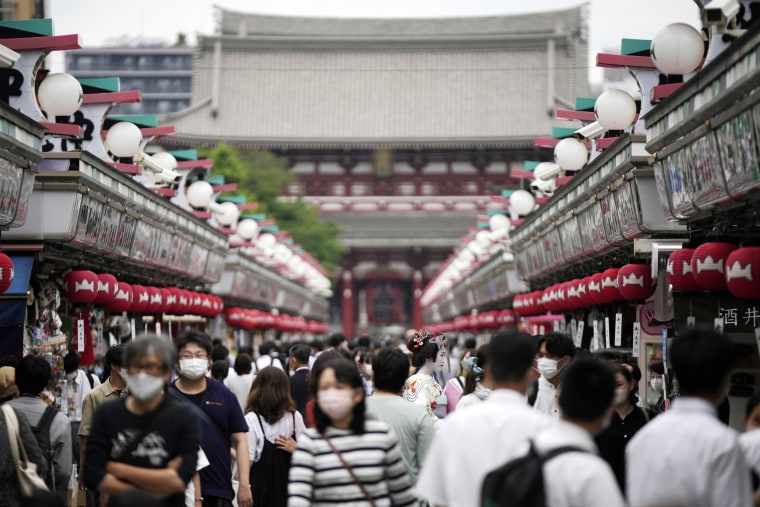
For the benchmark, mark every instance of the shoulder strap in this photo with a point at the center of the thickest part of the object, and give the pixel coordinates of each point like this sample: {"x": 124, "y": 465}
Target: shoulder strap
{"x": 261, "y": 425}
{"x": 46, "y": 420}
{"x": 293, "y": 413}
{"x": 348, "y": 469}
{"x": 560, "y": 450}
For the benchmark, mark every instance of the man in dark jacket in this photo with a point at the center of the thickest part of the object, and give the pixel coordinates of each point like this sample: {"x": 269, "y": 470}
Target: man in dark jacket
{"x": 299, "y": 380}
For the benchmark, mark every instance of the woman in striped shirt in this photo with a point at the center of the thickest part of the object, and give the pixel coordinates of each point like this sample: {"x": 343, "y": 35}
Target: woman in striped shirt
{"x": 347, "y": 460}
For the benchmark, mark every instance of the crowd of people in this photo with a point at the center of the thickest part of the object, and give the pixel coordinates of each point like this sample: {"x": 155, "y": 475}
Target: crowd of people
{"x": 424, "y": 422}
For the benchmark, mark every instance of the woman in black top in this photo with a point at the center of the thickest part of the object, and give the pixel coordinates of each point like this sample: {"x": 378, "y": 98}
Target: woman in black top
{"x": 626, "y": 420}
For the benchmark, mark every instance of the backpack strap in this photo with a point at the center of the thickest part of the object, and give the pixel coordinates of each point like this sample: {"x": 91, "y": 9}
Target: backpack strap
{"x": 559, "y": 450}
{"x": 46, "y": 420}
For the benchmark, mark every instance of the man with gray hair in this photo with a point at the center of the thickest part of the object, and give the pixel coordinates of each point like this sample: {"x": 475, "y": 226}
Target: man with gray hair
{"x": 146, "y": 441}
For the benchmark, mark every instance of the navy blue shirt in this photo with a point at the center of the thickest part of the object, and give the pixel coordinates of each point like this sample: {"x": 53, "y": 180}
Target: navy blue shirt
{"x": 223, "y": 417}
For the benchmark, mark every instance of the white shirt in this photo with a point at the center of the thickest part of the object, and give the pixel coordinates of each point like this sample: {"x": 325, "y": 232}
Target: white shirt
{"x": 576, "y": 479}
{"x": 283, "y": 427}
{"x": 750, "y": 444}
{"x": 686, "y": 456}
{"x": 471, "y": 443}
{"x": 547, "y": 399}
{"x": 77, "y": 390}
{"x": 240, "y": 385}
{"x": 267, "y": 360}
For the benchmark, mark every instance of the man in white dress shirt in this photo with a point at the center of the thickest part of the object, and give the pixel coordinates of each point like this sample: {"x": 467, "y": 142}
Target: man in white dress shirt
{"x": 686, "y": 456}
{"x": 581, "y": 479}
{"x": 555, "y": 351}
{"x": 471, "y": 443}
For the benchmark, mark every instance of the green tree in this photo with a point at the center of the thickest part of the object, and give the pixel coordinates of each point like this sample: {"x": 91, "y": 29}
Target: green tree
{"x": 260, "y": 175}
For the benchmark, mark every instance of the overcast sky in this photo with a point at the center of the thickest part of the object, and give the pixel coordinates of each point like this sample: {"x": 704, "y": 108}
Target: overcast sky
{"x": 99, "y": 20}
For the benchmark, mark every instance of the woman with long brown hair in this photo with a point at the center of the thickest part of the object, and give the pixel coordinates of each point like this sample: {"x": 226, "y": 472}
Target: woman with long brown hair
{"x": 273, "y": 427}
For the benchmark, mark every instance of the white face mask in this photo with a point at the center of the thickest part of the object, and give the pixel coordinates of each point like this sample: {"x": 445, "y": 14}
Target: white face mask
{"x": 71, "y": 376}
{"x": 547, "y": 367}
{"x": 368, "y": 370}
{"x": 621, "y": 395}
{"x": 193, "y": 368}
{"x": 335, "y": 403}
{"x": 656, "y": 384}
{"x": 143, "y": 386}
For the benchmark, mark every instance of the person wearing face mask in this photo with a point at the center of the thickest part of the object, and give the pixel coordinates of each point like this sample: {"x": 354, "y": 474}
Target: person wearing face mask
{"x": 627, "y": 419}
{"x": 363, "y": 358}
{"x": 347, "y": 459}
{"x": 581, "y": 478}
{"x": 686, "y": 456}
{"x": 113, "y": 388}
{"x": 146, "y": 441}
{"x": 428, "y": 356}
{"x": 555, "y": 351}
{"x": 223, "y": 426}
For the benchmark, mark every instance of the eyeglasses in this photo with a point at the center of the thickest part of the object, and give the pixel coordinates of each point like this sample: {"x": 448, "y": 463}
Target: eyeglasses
{"x": 153, "y": 369}
{"x": 199, "y": 355}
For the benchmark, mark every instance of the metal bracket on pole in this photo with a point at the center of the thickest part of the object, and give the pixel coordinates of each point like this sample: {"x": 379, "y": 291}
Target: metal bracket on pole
{"x": 654, "y": 247}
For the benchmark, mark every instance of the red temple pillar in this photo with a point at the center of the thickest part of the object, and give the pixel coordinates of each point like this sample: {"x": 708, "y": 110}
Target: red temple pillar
{"x": 416, "y": 295}
{"x": 348, "y": 304}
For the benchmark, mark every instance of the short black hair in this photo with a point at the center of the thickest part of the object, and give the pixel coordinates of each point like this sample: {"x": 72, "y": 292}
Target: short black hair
{"x": 364, "y": 341}
{"x": 300, "y": 352}
{"x": 336, "y": 339}
{"x": 220, "y": 369}
{"x": 71, "y": 362}
{"x": 201, "y": 339}
{"x": 32, "y": 375}
{"x": 587, "y": 390}
{"x": 753, "y": 402}
{"x": 219, "y": 352}
{"x": 319, "y": 345}
{"x": 243, "y": 364}
{"x": 267, "y": 347}
{"x": 390, "y": 369}
{"x": 115, "y": 355}
{"x": 510, "y": 354}
{"x": 470, "y": 343}
{"x": 558, "y": 344}
{"x": 702, "y": 359}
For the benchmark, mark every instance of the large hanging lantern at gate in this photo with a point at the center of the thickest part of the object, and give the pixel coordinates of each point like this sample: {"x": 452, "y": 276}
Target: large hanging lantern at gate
{"x": 708, "y": 263}
{"x": 122, "y": 300}
{"x": 680, "y": 274}
{"x": 6, "y": 272}
{"x": 635, "y": 282}
{"x": 81, "y": 287}
{"x": 107, "y": 285}
{"x": 743, "y": 272}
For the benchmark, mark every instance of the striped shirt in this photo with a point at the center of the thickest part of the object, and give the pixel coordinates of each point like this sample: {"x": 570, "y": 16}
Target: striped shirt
{"x": 317, "y": 476}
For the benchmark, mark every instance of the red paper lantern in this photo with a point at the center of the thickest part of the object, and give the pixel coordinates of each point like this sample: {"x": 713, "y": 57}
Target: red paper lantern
{"x": 594, "y": 287}
{"x": 743, "y": 272}
{"x": 170, "y": 299}
{"x": 122, "y": 300}
{"x": 183, "y": 302}
{"x": 635, "y": 282}
{"x": 207, "y": 307}
{"x": 155, "y": 300}
{"x": 235, "y": 317}
{"x": 6, "y": 272}
{"x": 517, "y": 303}
{"x": 573, "y": 301}
{"x": 538, "y": 302}
{"x": 140, "y": 299}
{"x": 680, "y": 274}
{"x": 107, "y": 285}
{"x": 583, "y": 293}
{"x": 708, "y": 263}
{"x": 218, "y": 305}
{"x": 562, "y": 298}
{"x": 81, "y": 287}
{"x": 507, "y": 318}
{"x": 196, "y": 304}
{"x": 610, "y": 291}
{"x": 551, "y": 299}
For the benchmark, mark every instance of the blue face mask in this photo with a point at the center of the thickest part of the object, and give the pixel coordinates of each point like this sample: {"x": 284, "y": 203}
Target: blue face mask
{"x": 98, "y": 370}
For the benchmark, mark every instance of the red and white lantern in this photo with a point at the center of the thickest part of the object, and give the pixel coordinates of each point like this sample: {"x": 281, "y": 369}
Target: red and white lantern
{"x": 155, "y": 300}
{"x": 680, "y": 274}
{"x": 122, "y": 300}
{"x": 743, "y": 272}
{"x": 140, "y": 299}
{"x": 6, "y": 272}
{"x": 594, "y": 288}
{"x": 635, "y": 282}
{"x": 183, "y": 302}
{"x": 708, "y": 264}
{"x": 507, "y": 318}
{"x": 610, "y": 290}
{"x": 81, "y": 287}
{"x": 235, "y": 317}
{"x": 107, "y": 286}
{"x": 170, "y": 299}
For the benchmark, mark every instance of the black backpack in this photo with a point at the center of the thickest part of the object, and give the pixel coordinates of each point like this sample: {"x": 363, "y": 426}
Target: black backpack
{"x": 520, "y": 482}
{"x": 42, "y": 434}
